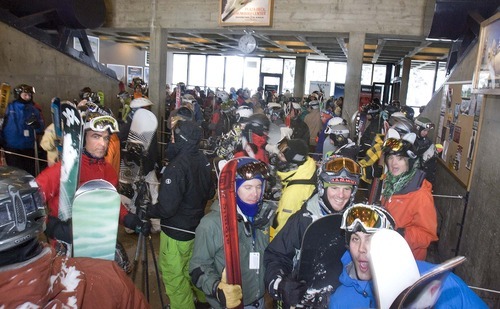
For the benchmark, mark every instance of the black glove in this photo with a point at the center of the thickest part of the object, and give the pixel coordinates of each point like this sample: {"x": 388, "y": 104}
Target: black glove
{"x": 144, "y": 228}
{"x": 291, "y": 291}
{"x": 57, "y": 229}
{"x": 133, "y": 222}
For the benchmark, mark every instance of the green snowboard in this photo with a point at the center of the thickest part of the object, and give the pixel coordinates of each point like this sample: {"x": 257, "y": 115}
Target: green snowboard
{"x": 96, "y": 210}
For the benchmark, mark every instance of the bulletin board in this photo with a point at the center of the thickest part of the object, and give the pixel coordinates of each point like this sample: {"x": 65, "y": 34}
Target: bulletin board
{"x": 458, "y": 128}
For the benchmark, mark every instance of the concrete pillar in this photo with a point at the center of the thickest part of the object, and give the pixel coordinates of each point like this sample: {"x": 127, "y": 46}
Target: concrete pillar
{"x": 405, "y": 78}
{"x": 300, "y": 77}
{"x": 157, "y": 70}
{"x": 353, "y": 75}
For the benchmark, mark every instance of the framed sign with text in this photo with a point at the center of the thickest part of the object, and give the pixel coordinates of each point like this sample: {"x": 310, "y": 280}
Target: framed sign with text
{"x": 245, "y": 12}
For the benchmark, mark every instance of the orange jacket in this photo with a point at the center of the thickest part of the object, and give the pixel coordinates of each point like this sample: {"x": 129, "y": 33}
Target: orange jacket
{"x": 416, "y": 214}
{"x": 113, "y": 154}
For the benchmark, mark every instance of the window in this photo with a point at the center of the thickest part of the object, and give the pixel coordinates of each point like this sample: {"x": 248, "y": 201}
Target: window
{"x": 215, "y": 72}
{"x": 234, "y": 73}
{"x": 289, "y": 75}
{"x": 366, "y": 74}
{"x": 337, "y": 71}
{"x": 379, "y": 73}
{"x": 179, "y": 73}
{"x": 420, "y": 83}
{"x": 251, "y": 74}
{"x": 196, "y": 70}
{"x": 272, "y": 65}
{"x": 315, "y": 71}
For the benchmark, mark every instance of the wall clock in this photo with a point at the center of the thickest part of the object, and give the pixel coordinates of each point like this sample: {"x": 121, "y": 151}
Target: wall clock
{"x": 247, "y": 43}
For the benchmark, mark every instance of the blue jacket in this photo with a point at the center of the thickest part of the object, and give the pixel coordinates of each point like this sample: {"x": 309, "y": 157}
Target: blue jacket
{"x": 359, "y": 294}
{"x": 16, "y": 133}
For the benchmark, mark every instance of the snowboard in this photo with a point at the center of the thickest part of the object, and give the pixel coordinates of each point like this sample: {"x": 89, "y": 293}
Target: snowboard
{"x": 96, "y": 210}
{"x": 4, "y": 98}
{"x": 392, "y": 265}
{"x": 228, "y": 211}
{"x": 425, "y": 292}
{"x": 72, "y": 126}
{"x": 55, "y": 109}
{"x": 142, "y": 130}
{"x": 320, "y": 263}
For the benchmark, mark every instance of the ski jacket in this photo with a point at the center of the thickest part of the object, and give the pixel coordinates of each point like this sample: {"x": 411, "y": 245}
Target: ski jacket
{"x": 208, "y": 258}
{"x": 16, "y": 134}
{"x": 50, "y": 281}
{"x": 113, "y": 154}
{"x": 49, "y": 181}
{"x": 300, "y": 130}
{"x": 313, "y": 121}
{"x": 293, "y": 196}
{"x": 414, "y": 211}
{"x": 185, "y": 188}
{"x": 282, "y": 255}
{"x": 353, "y": 293}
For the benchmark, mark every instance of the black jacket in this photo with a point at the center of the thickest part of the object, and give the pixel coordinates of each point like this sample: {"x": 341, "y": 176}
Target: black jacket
{"x": 185, "y": 188}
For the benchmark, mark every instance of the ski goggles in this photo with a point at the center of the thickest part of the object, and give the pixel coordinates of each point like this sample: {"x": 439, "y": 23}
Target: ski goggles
{"x": 103, "y": 123}
{"x": 366, "y": 218}
{"x": 253, "y": 170}
{"x": 283, "y": 145}
{"x": 393, "y": 144}
{"x": 336, "y": 165}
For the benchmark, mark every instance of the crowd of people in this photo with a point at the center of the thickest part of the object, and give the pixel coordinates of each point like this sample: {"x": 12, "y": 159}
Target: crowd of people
{"x": 296, "y": 161}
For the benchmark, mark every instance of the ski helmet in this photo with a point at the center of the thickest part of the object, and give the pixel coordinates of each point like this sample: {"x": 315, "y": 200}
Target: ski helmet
{"x": 222, "y": 96}
{"x": 100, "y": 122}
{"x": 372, "y": 108}
{"x": 23, "y": 88}
{"x": 400, "y": 147}
{"x": 247, "y": 169}
{"x": 187, "y": 132}
{"x": 422, "y": 123}
{"x": 337, "y": 171}
{"x": 365, "y": 218}
{"x": 23, "y": 213}
{"x": 258, "y": 124}
{"x": 401, "y": 124}
{"x": 332, "y": 123}
{"x": 243, "y": 113}
{"x": 140, "y": 102}
{"x": 408, "y": 111}
{"x": 339, "y": 134}
{"x": 294, "y": 150}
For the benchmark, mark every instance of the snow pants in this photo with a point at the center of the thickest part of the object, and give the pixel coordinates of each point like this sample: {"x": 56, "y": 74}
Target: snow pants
{"x": 174, "y": 257}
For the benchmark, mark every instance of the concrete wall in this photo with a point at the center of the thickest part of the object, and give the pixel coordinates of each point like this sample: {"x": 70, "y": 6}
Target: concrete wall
{"x": 52, "y": 73}
{"x": 480, "y": 212}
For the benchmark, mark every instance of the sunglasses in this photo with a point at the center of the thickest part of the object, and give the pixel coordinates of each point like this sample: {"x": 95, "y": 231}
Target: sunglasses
{"x": 367, "y": 218}
{"x": 103, "y": 123}
{"x": 336, "y": 165}
{"x": 393, "y": 144}
{"x": 252, "y": 170}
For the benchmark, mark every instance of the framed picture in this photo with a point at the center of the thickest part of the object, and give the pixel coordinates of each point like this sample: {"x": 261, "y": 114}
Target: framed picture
{"x": 146, "y": 58}
{"x": 250, "y": 13}
{"x": 133, "y": 71}
{"x": 94, "y": 44}
{"x": 119, "y": 70}
{"x": 487, "y": 73}
{"x": 146, "y": 75}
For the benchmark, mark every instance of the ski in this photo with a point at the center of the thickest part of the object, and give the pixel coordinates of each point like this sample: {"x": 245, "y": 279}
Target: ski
{"x": 70, "y": 161}
{"x": 95, "y": 236}
{"x": 55, "y": 109}
{"x": 4, "y": 98}
{"x": 227, "y": 199}
{"x": 320, "y": 263}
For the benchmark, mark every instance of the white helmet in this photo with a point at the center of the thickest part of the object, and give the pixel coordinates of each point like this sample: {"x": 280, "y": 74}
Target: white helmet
{"x": 339, "y": 129}
{"x": 140, "y": 102}
{"x": 243, "y": 112}
{"x": 222, "y": 95}
{"x": 332, "y": 123}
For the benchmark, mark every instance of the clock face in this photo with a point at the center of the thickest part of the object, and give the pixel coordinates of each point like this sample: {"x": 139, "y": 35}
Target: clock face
{"x": 247, "y": 43}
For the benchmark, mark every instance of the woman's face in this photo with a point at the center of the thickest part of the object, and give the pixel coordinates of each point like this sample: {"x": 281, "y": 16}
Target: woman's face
{"x": 397, "y": 165}
{"x": 250, "y": 191}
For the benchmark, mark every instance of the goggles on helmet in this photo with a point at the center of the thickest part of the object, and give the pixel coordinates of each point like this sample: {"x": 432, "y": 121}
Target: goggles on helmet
{"x": 393, "y": 144}
{"x": 425, "y": 125}
{"x": 252, "y": 170}
{"x": 366, "y": 218}
{"x": 338, "y": 164}
{"x": 103, "y": 123}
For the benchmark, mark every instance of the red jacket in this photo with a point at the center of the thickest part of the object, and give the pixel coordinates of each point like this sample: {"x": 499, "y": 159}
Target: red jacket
{"x": 90, "y": 169}
{"x": 416, "y": 214}
{"x": 50, "y": 281}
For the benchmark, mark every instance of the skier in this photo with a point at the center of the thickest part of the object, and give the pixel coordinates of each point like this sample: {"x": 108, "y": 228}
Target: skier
{"x": 343, "y": 146}
{"x": 297, "y": 172}
{"x": 21, "y": 125}
{"x": 338, "y": 181}
{"x": 185, "y": 188}
{"x": 32, "y": 276}
{"x": 254, "y": 138}
{"x": 408, "y": 196}
{"x": 356, "y": 289}
{"x": 208, "y": 261}
{"x": 295, "y": 122}
{"x": 426, "y": 149}
{"x": 313, "y": 121}
{"x": 97, "y": 130}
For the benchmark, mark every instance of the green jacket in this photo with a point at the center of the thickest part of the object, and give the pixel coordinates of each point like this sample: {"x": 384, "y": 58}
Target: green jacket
{"x": 208, "y": 259}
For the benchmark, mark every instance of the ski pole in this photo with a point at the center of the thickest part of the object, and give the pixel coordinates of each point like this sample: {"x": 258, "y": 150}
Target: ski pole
{"x": 178, "y": 229}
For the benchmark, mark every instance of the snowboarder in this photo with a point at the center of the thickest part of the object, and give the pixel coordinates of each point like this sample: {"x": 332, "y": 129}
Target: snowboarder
{"x": 338, "y": 181}
{"x": 31, "y": 274}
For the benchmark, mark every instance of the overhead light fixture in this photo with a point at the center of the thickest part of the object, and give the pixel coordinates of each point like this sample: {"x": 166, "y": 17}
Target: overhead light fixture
{"x": 438, "y": 40}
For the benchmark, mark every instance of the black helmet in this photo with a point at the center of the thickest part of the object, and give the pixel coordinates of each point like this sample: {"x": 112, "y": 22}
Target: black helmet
{"x": 258, "y": 124}
{"x": 22, "y": 215}
{"x": 409, "y": 112}
{"x": 23, "y": 88}
{"x": 372, "y": 108}
{"x": 400, "y": 147}
{"x": 422, "y": 123}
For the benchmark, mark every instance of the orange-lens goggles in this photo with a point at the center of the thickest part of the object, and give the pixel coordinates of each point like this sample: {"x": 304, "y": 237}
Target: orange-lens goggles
{"x": 369, "y": 217}
{"x": 393, "y": 143}
{"x": 337, "y": 164}
{"x": 251, "y": 170}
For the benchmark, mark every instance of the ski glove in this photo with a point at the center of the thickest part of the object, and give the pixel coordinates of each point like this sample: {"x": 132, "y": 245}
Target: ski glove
{"x": 228, "y": 295}
{"x": 57, "y": 229}
{"x": 291, "y": 291}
